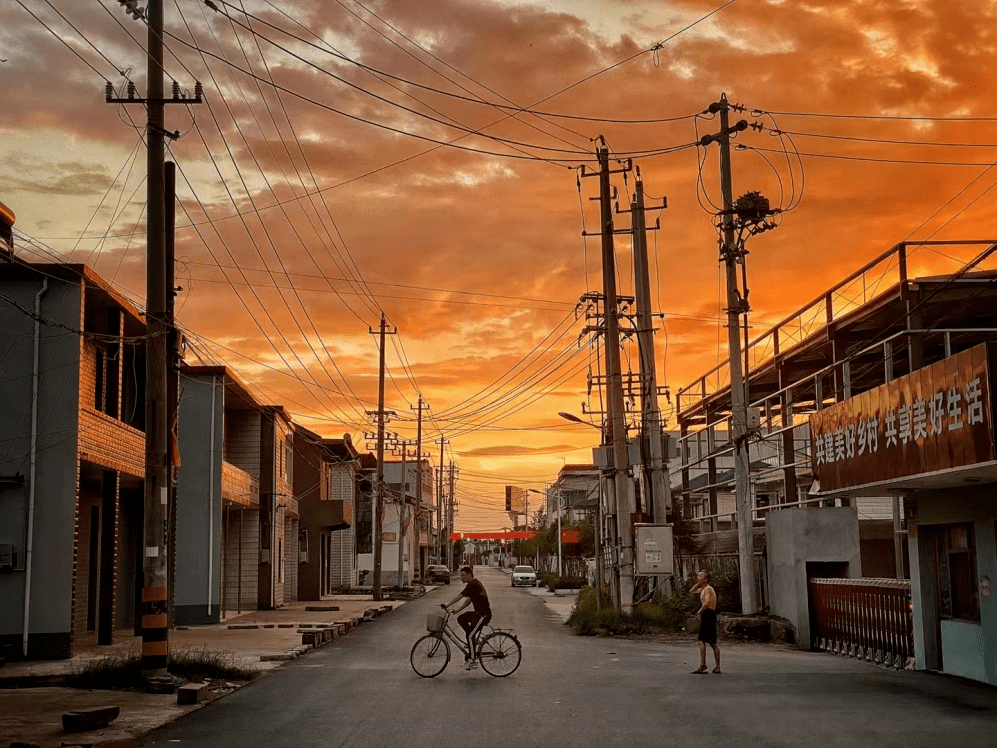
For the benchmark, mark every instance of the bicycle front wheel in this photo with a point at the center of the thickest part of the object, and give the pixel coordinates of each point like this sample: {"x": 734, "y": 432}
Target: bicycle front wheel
{"x": 430, "y": 655}
{"x": 500, "y": 654}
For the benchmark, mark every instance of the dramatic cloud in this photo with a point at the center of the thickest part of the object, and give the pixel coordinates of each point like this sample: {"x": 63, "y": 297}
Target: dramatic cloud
{"x": 308, "y": 208}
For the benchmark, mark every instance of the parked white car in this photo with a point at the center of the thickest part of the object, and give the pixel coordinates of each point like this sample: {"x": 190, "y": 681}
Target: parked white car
{"x": 524, "y": 576}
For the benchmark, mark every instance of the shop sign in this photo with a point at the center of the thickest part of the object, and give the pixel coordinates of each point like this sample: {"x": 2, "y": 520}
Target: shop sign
{"x": 934, "y": 419}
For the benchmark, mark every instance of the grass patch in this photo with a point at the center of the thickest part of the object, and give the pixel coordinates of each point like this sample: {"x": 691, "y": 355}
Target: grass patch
{"x": 664, "y": 614}
{"x": 122, "y": 671}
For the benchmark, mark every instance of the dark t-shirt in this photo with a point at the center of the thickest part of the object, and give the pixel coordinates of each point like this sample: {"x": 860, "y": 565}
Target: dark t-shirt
{"x": 478, "y": 597}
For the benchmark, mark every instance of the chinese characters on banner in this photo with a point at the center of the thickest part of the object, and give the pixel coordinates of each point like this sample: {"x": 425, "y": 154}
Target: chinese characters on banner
{"x": 934, "y": 419}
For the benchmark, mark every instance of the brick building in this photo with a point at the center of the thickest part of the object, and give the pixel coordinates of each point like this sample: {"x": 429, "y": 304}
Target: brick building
{"x": 72, "y": 457}
{"x": 325, "y": 482}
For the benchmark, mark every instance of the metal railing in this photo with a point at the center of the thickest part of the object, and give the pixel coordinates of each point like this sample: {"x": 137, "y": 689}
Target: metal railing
{"x": 876, "y": 278}
{"x": 869, "y": 619}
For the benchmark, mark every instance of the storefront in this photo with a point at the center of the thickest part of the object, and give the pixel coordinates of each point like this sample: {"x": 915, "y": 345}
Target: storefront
{"x": 929, "y": 437}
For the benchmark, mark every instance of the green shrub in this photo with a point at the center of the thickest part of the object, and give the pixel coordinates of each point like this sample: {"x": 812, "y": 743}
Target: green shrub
{"x": 665, "y": 613}
{"x": 123, "y": 670}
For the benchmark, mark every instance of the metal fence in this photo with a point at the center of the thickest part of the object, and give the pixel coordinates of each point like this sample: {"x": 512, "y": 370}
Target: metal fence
{"x": 865, "y": 618}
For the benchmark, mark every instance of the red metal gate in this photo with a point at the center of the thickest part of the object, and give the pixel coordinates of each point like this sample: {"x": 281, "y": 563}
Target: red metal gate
{"x": 865, "y": 618}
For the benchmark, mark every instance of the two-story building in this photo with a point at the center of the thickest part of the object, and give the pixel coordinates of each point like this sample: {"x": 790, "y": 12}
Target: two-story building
{"x": 218, "y": 497}
{"x": 72, "y": 456}
{"x": 325, "y": 483}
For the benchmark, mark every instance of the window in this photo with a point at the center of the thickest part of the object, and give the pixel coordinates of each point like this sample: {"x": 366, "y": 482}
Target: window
{"x": 958, "y": 592}
{"x": 288, "y": 454}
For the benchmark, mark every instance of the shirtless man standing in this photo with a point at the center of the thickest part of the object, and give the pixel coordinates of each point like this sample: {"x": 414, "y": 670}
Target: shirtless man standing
{"x": 707, "y": 615}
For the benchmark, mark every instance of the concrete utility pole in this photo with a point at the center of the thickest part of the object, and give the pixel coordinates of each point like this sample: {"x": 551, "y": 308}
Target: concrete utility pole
{"x": 736, "y": 306}
{"x": 418, "y": 467}
{"x": 614, "y": 384}
{"x": 402, "y": 495}
{"x": 156, "y": 530}
{"x": 656, "y": 475}
{"x": 440, "y": 541}
{"x": 450, "y": 517}
{"x": 379, "y": 486}
{"x": 155, "y": 592}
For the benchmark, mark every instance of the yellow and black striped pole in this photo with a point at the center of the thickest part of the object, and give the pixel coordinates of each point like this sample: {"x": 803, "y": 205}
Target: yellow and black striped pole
{"x": 155, "y": 631}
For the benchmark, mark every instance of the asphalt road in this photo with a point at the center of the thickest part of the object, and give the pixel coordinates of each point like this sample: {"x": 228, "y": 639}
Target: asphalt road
{"x": 581, "y": 691}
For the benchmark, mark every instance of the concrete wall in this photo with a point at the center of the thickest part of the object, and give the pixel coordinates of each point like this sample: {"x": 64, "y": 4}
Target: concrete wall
{"x": 965, "y": 648}
{"x": 796, "y": 537}
{"x": 56, "y": 482}
{"x": 197, "y": 585}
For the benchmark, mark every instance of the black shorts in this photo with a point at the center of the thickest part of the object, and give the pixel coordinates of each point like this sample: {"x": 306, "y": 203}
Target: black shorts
{"x": 470, "y": 619}
{"x": 708, "y": 627}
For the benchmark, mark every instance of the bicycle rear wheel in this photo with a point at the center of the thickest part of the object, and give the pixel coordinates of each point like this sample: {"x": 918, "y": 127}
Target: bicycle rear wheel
{"x": 430, "y": 655}
{"x": 500, "y": 654}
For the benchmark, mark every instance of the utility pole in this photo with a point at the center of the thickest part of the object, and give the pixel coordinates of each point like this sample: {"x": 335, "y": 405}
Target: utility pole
{"x": 402, "y": 494}
{"x": 156, "y": 529}
{"x": 614, "y": 383}
{"x": 172, "y": 368}
{"x": 440, "y": 541}
{"x": 418, "y": 467}
{"x": 450, "y": 517}
{"x": 733, "y": 255}
{"x": 657, "y": 476}
{"x": 379, "y": 486}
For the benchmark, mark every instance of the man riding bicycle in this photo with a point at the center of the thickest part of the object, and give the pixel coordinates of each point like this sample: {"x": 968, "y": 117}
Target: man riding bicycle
{"x": 472, "y": 622}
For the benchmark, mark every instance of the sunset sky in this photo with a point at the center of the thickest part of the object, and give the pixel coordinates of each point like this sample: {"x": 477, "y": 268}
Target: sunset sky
{"x": 382, "y": 173}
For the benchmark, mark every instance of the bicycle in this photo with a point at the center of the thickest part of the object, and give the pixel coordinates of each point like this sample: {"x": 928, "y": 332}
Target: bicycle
{"x": 498, "y": 650}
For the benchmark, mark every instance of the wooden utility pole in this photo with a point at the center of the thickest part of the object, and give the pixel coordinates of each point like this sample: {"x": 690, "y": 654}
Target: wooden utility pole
{"x": 657, "y": 475}
{"x": 614, "y": 385}
{"x": 736, "y": 306}
{"x": 379, "y": 485}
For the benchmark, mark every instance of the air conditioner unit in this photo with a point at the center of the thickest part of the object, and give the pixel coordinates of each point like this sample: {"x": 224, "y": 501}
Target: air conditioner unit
{"x": 302, "y": 557}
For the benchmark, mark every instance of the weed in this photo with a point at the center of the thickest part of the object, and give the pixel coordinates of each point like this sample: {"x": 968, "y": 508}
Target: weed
{"x": 123, "y": 670}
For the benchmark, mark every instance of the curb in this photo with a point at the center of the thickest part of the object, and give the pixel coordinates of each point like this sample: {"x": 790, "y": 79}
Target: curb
{"x": 313, "y": 635}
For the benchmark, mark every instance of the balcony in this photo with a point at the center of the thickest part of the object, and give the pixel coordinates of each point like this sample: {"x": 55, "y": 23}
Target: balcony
{"x": 331, "y": 515}
{"x": 239, "y": 486}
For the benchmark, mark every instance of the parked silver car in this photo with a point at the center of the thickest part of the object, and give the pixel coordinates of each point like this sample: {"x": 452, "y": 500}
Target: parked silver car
{"x": 524, "y": 576}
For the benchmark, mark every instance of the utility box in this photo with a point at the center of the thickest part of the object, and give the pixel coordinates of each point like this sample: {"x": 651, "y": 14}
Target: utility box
{"x": 754, "y": 419}
{"x": 653, "y": 552}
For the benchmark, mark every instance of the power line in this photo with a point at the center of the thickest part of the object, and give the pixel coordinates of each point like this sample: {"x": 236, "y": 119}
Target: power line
{"x": 899, "y": 117}
{"x": 869, "y": 159}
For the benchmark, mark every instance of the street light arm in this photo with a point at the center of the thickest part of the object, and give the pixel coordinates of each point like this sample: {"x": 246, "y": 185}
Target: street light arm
{"x": 575, "y": 419}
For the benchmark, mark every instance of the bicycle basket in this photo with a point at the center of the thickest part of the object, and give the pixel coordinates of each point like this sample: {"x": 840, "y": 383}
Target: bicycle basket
{"x": 435, "y": 623}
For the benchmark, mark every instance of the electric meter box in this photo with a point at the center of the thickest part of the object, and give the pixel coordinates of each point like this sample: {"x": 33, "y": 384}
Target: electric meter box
{"x": 653, "y": 553}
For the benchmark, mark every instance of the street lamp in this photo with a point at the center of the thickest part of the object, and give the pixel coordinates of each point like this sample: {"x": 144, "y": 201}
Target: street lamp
{"x": 576, "y": 419}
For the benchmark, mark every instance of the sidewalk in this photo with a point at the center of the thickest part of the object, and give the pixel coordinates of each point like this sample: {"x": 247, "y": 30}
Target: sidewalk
{"x": 560, "y": 603}
{"x": 32, "y": 702}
